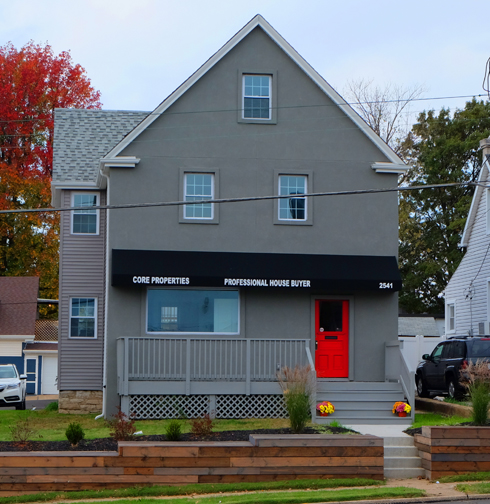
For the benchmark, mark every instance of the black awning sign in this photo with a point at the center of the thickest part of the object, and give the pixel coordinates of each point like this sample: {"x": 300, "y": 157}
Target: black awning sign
{"x": 264, "y": 282}
{"x": 334, "y": 273}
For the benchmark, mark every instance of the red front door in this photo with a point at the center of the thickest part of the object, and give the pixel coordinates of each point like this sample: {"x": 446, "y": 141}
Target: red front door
{"x": 332, "y": 338}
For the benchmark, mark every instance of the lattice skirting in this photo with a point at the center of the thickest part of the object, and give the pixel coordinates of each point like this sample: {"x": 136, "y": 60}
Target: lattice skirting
{"x": 219, "y": 406}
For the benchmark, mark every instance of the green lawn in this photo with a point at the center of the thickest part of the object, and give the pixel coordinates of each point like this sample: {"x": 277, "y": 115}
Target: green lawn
{"x": 280, "y": 492}
{"x": 51, "y": 425}
{"x": 422, "y": 419}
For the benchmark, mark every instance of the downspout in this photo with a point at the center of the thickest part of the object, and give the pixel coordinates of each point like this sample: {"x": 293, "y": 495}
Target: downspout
{"x": 105, "y": 173}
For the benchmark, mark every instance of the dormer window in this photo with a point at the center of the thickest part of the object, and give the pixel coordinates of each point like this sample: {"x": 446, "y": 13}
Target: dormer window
{"x": 257, "y": 97}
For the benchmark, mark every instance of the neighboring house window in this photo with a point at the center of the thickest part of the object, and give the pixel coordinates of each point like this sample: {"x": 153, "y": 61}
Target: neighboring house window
{"x": 85, "y": 220}
{"x": 193, "y": 311}
{"x": 197, "y": 187}
{"x": 83, "y": 317}
{"x": 257, "y": 97}
{"x": 294, "y": 208}
{"x": 450, "y": 320}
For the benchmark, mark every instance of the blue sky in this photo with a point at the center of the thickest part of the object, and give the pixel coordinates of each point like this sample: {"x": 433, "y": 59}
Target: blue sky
{"x": 136, "y": 52}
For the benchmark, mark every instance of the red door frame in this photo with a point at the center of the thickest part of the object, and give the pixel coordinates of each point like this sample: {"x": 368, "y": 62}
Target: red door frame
{"x": 332, "y": 347}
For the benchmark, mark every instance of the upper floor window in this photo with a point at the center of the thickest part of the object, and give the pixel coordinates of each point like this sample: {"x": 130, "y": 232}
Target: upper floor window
{"x": 85, "y": 220}
{"x": 294, "y": 208}
{"x": 198, "y": 187}
{"x": 257, "y": 97}
{"x": 83, "y": 317}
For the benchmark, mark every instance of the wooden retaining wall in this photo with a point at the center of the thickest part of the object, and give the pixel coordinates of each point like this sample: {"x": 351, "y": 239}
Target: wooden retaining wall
{"x": 446, "y": 451}
{"x": 264, "y": 458}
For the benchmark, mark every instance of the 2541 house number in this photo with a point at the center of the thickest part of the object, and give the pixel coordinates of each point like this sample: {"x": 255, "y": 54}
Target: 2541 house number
{"x": 385, "y": 285}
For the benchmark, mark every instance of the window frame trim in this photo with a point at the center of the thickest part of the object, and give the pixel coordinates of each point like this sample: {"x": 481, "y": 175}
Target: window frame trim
{"x": 70, "y": 316}
{"x": 214, "y": 207}
{"x": 308, "y": 201}
{"x": 188, "y": 333}
{"x": 450, "y": 302}
{"x": 272, "y": 74}
{"x": 73, "y": 212}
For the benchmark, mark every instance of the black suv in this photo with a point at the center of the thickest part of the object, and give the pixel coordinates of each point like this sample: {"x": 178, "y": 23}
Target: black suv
{"x": 439, "y": 373}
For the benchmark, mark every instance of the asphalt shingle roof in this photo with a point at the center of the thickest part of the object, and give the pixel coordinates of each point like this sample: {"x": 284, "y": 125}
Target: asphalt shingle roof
{"x": 18, "y": 305}
{"x": 417, "y": 326}
{"x": 82, "y": 137}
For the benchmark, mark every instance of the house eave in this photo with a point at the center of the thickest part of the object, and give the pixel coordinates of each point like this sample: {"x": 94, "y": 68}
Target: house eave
{"x": 398, "y": 168}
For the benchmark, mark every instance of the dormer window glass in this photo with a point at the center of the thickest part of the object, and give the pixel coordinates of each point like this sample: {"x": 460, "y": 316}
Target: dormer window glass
{"x": 257, "y": 97}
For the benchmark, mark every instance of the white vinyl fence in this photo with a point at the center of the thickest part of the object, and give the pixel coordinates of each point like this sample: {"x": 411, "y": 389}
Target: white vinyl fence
{"x": 413, "y": 347}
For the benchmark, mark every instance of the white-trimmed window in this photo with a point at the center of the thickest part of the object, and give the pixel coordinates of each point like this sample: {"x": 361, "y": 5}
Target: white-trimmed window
{"x": 193, "y": 311}
{"x": 450, "y": 317}
{"x": 294, "y": 208}
{"x": 85, "y": 220}
{"x": 257, "y": 97}
{"x": 198, "y": 187}
{"x": 83, "y": 317}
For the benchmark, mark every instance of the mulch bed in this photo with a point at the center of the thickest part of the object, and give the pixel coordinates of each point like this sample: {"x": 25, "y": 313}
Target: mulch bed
{"x": 108, "y": 444}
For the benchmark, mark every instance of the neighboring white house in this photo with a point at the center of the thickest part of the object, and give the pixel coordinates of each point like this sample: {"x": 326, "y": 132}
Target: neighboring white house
{"x": 467, "y": 297}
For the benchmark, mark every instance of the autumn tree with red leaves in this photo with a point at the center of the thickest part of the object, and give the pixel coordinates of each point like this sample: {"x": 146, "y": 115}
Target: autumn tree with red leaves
{"x": 33, "y": 82}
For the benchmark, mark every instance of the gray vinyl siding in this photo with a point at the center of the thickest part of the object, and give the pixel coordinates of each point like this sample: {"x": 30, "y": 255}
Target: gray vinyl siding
{"x": 476, "y": 263}
{"x": 82, "y": 274}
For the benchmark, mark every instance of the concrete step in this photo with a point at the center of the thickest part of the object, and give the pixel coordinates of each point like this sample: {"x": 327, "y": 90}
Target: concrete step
{"x": 361, "y": 396}
{"x": 404, "y": 473}
{"x": 401, "y": 458}
{"x": 368, "y": 419}
{"x": 325, "y": 384}
{"x": 401, "y": 451}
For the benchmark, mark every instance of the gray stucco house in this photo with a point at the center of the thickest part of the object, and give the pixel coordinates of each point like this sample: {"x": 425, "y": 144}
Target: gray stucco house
{"x": 467, "y": 295}
{"x": 171, "y": 306}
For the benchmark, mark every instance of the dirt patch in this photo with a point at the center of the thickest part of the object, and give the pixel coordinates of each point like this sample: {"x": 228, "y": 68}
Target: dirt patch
{"x": 108, "y": 444}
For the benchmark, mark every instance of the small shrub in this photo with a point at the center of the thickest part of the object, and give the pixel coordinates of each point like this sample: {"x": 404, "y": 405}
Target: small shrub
{"x": 202, "y": 427}
{"x": 74, "y": 433}
{"x": 173, "y": 431}
{"x": 52, "y": 406}
{"x": 121, "y": 426}
{"x": 22, "y": 431}
{"x": 297, "y": 385}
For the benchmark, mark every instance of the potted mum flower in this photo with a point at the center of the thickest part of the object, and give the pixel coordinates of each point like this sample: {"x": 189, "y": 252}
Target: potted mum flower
{"x": 401, "y": 409}
{"x": 325, "y": 408}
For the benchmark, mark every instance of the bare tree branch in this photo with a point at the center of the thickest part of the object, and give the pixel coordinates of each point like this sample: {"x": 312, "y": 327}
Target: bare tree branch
{"x": 386, "y": 109}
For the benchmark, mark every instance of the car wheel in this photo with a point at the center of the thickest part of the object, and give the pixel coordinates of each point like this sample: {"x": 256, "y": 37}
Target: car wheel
{"x": 421, "y": 388}
{"x": 452, "y": 389}
{"x": 21, "y": 405}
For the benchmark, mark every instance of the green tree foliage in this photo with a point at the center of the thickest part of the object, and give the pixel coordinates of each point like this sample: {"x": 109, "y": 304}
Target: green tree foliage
{"x": 441, "y": 148}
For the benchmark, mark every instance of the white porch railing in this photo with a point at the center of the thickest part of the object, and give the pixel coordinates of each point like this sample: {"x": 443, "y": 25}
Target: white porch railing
{"x": 191, "y": 359}
{"x": 398, "y": 369}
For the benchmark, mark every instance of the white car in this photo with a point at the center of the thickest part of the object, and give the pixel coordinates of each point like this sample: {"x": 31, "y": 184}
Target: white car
{"x": 12, "y": 387}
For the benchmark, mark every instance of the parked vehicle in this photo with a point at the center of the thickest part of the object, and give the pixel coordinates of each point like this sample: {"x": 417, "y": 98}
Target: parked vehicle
{"x": 439, "y": 372}
{"x": 12, "y": 387}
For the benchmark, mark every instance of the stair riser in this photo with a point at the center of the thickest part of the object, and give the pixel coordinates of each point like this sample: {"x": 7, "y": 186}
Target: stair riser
{"x": 402, "y": 462}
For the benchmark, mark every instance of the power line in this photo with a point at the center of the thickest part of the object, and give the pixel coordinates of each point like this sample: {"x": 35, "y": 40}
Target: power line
{"x": 244, "y": 199}
{"x": 351, "y": 104}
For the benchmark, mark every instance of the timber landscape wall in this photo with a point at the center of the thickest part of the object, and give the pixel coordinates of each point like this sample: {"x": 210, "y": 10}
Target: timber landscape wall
{"x": 263, "y": 458}
{"x": 446, "y": 451}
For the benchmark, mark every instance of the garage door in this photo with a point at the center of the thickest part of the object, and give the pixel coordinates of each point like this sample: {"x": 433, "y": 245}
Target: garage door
{"x": 50, "y": 373}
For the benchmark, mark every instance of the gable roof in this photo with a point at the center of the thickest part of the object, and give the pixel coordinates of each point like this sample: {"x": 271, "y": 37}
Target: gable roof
{"x": 395, "y": 165}
{"x": 479, "y": 192}
{"x": 18, "y": 305}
